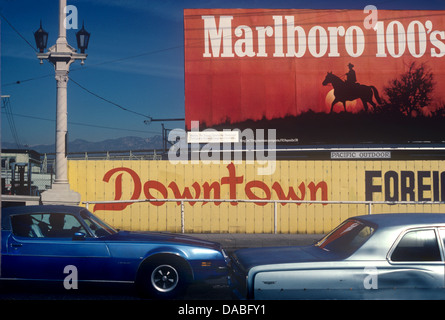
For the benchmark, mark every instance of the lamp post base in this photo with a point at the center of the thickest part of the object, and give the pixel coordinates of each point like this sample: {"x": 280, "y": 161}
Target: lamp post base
{"x": 60, "y": 194}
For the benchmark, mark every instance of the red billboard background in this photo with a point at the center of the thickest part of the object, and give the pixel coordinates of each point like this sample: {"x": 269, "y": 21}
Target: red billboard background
{"x": 266, "y": 68}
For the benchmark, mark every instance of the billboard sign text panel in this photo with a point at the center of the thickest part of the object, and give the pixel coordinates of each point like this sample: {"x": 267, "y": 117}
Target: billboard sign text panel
{"x": 281, "y": 68}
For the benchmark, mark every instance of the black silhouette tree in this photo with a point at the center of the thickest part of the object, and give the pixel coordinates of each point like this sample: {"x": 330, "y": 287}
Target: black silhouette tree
{"x": 412, "y": 91}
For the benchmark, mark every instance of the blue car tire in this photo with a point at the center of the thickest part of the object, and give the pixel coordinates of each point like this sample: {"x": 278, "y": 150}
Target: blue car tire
{"x": 163, "y": 279}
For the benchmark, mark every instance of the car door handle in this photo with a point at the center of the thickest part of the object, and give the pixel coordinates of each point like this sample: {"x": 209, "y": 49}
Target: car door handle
{"x": 16, "y": 245}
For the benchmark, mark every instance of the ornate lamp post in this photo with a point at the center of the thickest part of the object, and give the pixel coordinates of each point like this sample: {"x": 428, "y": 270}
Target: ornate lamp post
{"x": 61, "y": 55}
{"x": 83, "y": 38}
{"x": 41, "y": 37}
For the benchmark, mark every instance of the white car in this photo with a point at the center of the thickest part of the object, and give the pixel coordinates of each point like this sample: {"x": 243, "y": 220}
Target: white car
{"x": 383, "y": 256}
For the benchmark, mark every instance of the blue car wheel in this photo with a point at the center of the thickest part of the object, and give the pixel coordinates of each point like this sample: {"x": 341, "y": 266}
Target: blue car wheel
{"x": 163, "y": 279}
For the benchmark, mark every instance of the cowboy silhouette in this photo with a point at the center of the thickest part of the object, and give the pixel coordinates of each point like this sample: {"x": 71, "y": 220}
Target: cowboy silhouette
{"x": 349, "y": 89}
{"x": 351, "y": 78}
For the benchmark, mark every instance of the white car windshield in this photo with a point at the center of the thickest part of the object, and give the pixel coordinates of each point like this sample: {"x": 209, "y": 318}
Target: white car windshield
{"x": 347, "y": 237}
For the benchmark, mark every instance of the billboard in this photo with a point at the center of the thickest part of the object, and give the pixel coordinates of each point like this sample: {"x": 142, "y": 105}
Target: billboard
{"x": 318, "y": 76}
{"x": 329, "y": 180}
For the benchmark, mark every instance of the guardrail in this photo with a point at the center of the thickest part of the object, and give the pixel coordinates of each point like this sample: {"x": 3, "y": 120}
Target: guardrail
{"x": 275, "y": 203}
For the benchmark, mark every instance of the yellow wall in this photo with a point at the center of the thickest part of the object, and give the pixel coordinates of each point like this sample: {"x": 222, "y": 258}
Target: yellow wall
{"x": 339, "y": 180}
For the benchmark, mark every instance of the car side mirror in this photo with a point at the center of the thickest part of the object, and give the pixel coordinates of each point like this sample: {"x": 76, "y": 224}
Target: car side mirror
{"x": 79, "y": 236}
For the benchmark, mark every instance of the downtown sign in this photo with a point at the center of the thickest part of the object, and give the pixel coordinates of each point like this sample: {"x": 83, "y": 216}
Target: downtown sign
{"x": 202, "y": 184}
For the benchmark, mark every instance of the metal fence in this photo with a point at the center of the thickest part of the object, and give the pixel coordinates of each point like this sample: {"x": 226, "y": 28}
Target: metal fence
{"x": 275, "y": 203}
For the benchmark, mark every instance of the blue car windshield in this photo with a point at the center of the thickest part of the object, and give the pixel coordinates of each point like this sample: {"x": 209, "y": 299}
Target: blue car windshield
{"x": 97, "y": 226}
{"x": 346, "y": 238}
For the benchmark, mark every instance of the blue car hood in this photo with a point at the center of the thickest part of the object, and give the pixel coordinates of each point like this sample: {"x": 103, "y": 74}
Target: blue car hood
{"x": 252, "y": 257}
{"x": 162, "y": 237}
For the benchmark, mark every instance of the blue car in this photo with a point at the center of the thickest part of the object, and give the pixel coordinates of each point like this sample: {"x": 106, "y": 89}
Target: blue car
{"x": 49, "y": 242}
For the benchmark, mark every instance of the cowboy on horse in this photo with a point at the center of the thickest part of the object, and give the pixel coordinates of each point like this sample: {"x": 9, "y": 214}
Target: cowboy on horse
{"x": 350, "y": 90}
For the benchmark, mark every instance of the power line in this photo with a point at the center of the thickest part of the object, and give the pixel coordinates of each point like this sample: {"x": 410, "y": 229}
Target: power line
{"x": 83, "y": 124}
{"x": 108, "y": 101}
{"x": 96, "y": 64}
{"x": 142, "y": 54}
{"x": 6, "y": 105}
{"x": 16, "y": 31}
{"x": 27, "y": 80}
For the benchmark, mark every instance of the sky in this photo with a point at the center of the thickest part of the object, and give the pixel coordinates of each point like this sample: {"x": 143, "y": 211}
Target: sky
{"x": 135, "y": 63}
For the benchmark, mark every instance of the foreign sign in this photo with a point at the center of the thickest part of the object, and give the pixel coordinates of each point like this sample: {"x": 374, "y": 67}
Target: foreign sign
{"x": 319, "y": 76}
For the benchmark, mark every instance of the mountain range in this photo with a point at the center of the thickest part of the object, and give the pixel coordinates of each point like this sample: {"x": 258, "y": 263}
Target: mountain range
{"x": 80, "y": 145}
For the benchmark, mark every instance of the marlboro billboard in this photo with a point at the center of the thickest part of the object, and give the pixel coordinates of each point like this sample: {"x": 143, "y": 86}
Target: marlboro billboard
{"x": 320, "y": 76}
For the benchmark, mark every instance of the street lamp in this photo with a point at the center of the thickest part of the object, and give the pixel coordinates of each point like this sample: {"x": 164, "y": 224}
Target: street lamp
{"x": 83, "y": 38}
{"x": 61, "y": 55}
{"x": 41, "y": 37}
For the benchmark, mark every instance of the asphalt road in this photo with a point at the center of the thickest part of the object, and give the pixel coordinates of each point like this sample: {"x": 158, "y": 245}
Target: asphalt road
{"x": 13, "y": 290}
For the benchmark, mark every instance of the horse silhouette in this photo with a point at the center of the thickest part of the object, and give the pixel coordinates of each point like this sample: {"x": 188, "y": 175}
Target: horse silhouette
{"x": 348, "y": 92}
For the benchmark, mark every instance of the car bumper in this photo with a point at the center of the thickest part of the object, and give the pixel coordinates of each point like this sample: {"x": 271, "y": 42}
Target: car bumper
{"x": 237, "y": 281}
{"x": 235, "y": 289}
{"x": 207, "y": 270}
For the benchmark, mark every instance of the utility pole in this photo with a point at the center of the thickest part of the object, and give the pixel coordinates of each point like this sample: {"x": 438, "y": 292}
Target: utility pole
{"x": 164, "y": 130}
